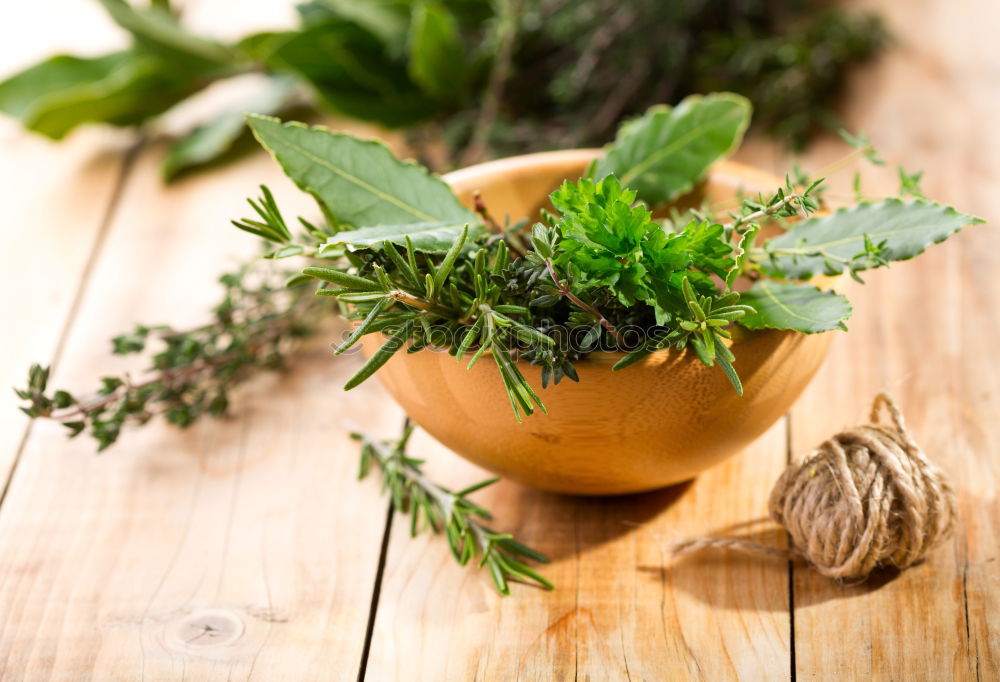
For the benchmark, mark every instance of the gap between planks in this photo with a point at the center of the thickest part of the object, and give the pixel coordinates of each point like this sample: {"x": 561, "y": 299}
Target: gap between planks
{"x": 789, "y": 455}
{"x": 125, "y": 165}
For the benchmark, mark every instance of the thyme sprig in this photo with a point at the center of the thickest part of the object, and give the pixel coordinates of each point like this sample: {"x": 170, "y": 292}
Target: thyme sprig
{"x": 194, "y": 370}
{"x": 436, "y": 508}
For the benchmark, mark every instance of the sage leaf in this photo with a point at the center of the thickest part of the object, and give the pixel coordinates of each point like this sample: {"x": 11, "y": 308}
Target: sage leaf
{"x": 662, "y": 154}
{"x": 792, "y": 305}
{"x": 122, "y": 88}
{"x": 360, "y": 181}
{"x": 213, "y": 139}
{"x": 436, "y": 56}
{"x": 907, "y": 228}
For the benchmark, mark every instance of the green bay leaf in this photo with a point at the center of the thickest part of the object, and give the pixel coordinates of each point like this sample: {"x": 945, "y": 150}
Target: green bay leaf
{"x": 662, "y": 154}
{"x": 218, "y": 136}
{"x": 353, "y": 73}
{"x": 158, "y": 30}
{"x": 796, "y": 306}
{"x": 437, "y": 59}
{"x": 386, "y": 19}
{"x": 430, "y": 237}
{"x": 122, "y": 88}
{"x": 906, "y": 227}
{"x": 359, "y": 181}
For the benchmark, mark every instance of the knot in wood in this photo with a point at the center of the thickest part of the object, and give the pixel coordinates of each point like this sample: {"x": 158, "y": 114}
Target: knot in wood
{"x": 206, "y": 629}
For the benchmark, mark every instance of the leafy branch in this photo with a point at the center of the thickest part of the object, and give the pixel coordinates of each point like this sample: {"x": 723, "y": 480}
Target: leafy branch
{"x": 194, "y": 371}
{"x": 486, "y": 79}
{"x": 786, "y": 202}
{"x": 438, "y": 509}
{"x": 864, "y": 236}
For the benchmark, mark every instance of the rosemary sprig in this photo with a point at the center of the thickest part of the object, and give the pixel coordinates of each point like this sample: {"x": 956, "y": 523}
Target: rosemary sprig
{"x": 194, "y": 371}
{"x": 438, "y": 509}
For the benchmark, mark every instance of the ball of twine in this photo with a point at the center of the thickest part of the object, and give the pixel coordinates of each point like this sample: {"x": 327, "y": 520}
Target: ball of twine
{"x": 867, "y": 497}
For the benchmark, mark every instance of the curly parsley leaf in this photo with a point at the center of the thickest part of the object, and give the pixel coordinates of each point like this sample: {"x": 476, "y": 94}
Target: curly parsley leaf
{"x": 608, "y": 241}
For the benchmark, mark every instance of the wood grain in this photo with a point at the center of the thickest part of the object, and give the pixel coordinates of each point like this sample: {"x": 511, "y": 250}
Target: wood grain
{"x": 237, "y": 549}
{"x": 56, "y": 200}
{"x": 925, "y": 331}
{"x": 246, "y": 550}
{"x": 621, "y": 610}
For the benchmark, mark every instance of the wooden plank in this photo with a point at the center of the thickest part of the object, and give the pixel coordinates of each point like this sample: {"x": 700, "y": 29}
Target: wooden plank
{"x": 237, "y": 549}
{"x": 621, "y": 609}
{"x": 55, "y": 198}
{"x": 924, "y": 331}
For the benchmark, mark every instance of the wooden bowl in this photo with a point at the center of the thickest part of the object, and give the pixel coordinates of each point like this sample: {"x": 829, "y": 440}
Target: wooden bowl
{"x": 658, "y": 422}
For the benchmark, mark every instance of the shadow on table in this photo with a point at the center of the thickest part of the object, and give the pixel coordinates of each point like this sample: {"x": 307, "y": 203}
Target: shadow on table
{"x": 562, "y": 526}
{"x": 736, "y": 581}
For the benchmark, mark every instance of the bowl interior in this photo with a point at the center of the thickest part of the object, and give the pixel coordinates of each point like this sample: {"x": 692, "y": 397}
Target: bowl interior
{"x": 518, "y": 187}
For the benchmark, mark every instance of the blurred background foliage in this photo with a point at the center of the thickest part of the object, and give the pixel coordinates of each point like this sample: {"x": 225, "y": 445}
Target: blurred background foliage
{"x": 466, "y": 79}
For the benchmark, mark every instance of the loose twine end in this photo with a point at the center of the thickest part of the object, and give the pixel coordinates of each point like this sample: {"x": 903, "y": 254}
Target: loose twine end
{"x": 867, "y": 497}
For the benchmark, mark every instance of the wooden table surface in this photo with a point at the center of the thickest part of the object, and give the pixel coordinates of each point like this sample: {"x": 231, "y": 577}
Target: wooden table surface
{"x": 246, "y": 548}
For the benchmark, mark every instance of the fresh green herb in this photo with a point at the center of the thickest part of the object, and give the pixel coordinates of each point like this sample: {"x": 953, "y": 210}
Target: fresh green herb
{"x": 194, "y": 370}
{"x": 491, "y": 78}
{"x": 864, "y": 236}
{"x": 598, "y": 264}
{"x": 662, "y": 154}
{"x": 410, "y": 265}
{"x": 438, "y": 509}
{"x": 408, "y": 262}
{"x": 794, "y": 305}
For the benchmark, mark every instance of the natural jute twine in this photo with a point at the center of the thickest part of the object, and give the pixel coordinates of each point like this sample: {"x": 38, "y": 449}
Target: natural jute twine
{"x": 867, "y": 497}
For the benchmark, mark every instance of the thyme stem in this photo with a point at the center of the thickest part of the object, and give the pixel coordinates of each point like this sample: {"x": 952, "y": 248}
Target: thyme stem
{"x": 788, "y": 200}
{"x": 577, "y": 301}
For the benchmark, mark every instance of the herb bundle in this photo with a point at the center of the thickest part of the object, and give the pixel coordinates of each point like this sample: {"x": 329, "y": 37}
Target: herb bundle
{"x": 404, "y": 258}
{"x": 493, "y": 77}
{"x": 401, "y": 256}
{"x": 407, "y": 260}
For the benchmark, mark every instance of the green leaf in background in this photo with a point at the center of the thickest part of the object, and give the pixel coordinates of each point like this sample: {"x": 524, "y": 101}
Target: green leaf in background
{"x": 437, "y": 59}
{"x": 157, "y": 29}
{"x": 213, "y": 139}
{"x": 431, "y": 237}
{"x": 791, "y": 305}
{"x": 899, "y": 229}
{"x": 122, "y": 88}
{"x": 352, "y": 73}
{"x": 665, "y": 152}
{"x": 386, "y": 19}
{"x": 359, "y": 181}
